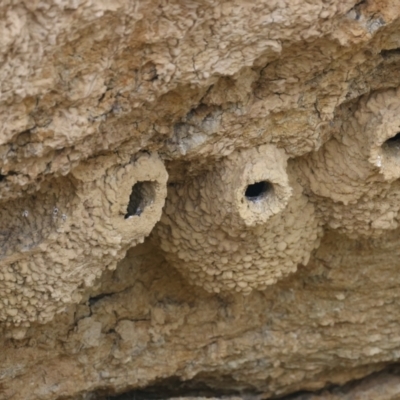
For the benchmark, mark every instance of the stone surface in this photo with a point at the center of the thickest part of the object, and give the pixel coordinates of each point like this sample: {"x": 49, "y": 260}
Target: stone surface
{"x": 270, "y": 131}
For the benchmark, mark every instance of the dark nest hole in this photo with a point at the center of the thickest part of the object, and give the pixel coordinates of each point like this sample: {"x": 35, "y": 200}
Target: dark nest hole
{"x": 393, "y": 143}
{"x": 142, "y": 195}
{"x": 258, "y": 190}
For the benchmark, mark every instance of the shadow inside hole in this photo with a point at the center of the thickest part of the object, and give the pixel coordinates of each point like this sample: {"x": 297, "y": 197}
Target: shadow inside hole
{"x": 142, "y": 195}
{"x": 392, "y": 144}
{"x": 258, "y": 190}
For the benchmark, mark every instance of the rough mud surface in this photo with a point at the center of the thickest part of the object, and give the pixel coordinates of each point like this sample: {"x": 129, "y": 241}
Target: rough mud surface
{"x": 241, "y": 226}
{"x": 201, "y": 195}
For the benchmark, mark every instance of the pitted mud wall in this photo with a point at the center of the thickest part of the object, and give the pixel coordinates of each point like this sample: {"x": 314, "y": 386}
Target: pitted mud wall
{"x": 71, "y": 231}
{"x": 354, "y": 177}
{"x": 241, "y": 226}
{"x": 202, "y": 191}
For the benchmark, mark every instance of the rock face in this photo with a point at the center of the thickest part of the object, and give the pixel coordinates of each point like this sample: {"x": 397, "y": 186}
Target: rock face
{"x": 199, "y": 196}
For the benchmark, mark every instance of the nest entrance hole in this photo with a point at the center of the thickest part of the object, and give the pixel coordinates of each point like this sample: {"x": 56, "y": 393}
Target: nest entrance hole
{"x": 142, "y": 195}
{"x": 258, "y": 190}
{"x": 393, "y": 143}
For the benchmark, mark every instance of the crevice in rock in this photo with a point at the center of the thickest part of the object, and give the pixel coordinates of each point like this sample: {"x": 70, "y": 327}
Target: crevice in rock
{"x": 390, "y": 53}
{"x": 93, "y": 300}
{"x": 174, "y": 387}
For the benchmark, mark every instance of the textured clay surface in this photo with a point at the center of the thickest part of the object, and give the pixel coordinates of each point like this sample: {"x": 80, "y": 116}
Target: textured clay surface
{"x": 199, "y": 197}
{"x": 69, "y": 233}
{"x": 354, "y": 176}
{"x": 241, "y": 226}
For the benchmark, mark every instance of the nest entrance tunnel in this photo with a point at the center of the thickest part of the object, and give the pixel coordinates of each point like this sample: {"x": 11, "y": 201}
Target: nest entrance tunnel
{"x": 142, "y": 195}
{"x": 393, "y": 144}
{"x": 258, "y": 190}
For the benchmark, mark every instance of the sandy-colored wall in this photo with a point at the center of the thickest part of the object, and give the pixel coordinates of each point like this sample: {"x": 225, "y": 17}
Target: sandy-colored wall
{"x": 199, "y": 192}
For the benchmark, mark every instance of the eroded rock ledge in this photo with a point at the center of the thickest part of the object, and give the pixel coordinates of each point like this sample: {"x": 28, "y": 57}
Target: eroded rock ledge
{"x": 202, "y": 190}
